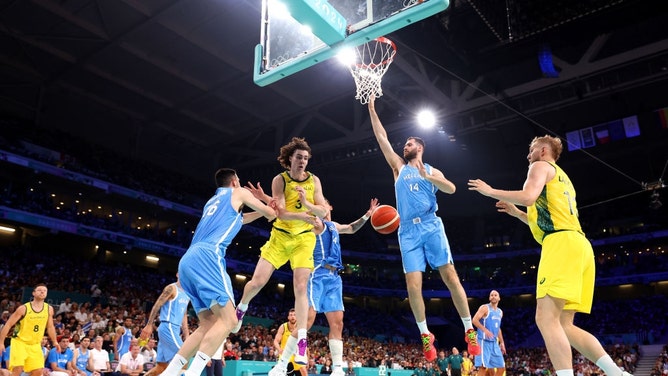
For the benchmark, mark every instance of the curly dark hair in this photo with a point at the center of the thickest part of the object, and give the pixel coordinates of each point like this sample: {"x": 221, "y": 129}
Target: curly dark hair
{"x": 297, "y": 143}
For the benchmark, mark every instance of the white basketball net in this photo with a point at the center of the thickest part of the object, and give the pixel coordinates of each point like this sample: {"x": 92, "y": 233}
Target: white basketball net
{"x": 373, "y": 59}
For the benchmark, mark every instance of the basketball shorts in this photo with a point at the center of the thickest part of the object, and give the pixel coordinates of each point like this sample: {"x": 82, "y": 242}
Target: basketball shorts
{"x": 283, "y": 247}
{"x": 30, "y": 357}
{"x": 422, "y": 243}
{"x": 170, "y": 341}
{"x": 572, "y": 281}
{"x": 204, "y": 278}
{"x": 325, "y": 291}
{"x": 490, "y": 355}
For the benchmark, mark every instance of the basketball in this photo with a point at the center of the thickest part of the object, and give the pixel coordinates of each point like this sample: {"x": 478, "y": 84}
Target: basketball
{"x": 385, "y": 219}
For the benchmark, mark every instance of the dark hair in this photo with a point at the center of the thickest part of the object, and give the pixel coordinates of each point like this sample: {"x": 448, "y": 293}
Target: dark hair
{"x": 224, "y": 177}
{"x": 38, "y": 285}
{"x": 287, "y": 150}
{"x": 417, "y": 139}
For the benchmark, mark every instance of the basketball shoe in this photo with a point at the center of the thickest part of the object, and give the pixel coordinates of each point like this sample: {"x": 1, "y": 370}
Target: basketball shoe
{"x": 300, "y": 354}
{"x": 428, "y": 347}
{"x": 240, "y": 317}
{"x": 472, "y": 341}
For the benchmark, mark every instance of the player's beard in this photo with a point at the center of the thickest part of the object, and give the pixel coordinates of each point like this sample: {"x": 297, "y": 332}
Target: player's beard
{"x": 410, "y": 155}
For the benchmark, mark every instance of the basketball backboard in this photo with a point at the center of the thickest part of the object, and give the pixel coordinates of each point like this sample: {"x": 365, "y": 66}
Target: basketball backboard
{"x": 297, "y": 34}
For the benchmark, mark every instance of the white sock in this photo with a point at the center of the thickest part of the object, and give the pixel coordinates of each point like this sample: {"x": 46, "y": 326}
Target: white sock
{"x": 242, "y": 307}
{"x": 565, "y": 372}
{"x": 290, "y": 348}
{"x": 336, "y": 350}
{"x": 422, "y": 325}
{"x": 301, "y": 333}
{"x": 199, "y": 362}
{"x": 467, "y": 322}
{"x": 608, "y": 366}
{"x": 175, "y": 366}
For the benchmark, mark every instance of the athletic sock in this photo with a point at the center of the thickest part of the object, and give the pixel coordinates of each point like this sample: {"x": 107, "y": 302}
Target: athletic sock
{"x": 242, "y": 307}
{"x": 608, "y": 366}
{"x": 290, "y": 348}
{"x": 565, "y": 372}
{"x": 467, "y": 322}
{"x": 336, "y": 350}
{"x": 199, "y": 362}
{"x": 175, "y": 366}
{"x": 422, "y": 325}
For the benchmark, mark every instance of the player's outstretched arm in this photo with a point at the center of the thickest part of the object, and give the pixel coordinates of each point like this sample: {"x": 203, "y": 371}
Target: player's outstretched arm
{"x": 246, "y": 197}
{"x": 167, "y": 293}
{"x": 352, "y": 227}
{"x": 392, "y": 158}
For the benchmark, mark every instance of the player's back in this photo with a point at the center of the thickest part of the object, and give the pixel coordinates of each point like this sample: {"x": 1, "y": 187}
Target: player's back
{"x": 220, "y": 222}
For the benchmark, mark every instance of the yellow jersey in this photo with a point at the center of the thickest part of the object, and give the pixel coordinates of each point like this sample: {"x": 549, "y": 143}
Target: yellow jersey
{"x": 292, "y": 203}
{"x": 30, "y": 328}
{"x": 555, "y": 209}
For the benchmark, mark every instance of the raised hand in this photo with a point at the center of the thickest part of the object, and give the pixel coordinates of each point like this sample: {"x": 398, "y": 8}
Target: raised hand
{"x": 257, "y": 191}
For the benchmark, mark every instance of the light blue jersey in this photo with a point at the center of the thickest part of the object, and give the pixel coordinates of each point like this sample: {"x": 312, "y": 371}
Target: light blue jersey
{"x": 124, "y": 342}
{"x": 325, "y": 288}
{"x": 492, "y": 322}
{"x": 422, "y": 238}
{"x": 171, "y": 319}
{"x": 220, "y": 222}
{"x": 82, "y": 361}
{"x": 174, "y": 309}
{"x": 416, "y": 196}
{"x": 490, "y": 351}
{"x": 327, "y": 247}
{"x": 202, "y": 269}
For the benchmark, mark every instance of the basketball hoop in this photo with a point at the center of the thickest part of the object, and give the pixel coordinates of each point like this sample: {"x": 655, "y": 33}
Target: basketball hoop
{"x": 373, "y": 59}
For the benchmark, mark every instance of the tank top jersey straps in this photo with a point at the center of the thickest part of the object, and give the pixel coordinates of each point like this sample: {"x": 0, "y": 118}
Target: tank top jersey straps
{"x": 220, "y": 222}
{"x": 82, "y": 359}
{"x": 294, "y": 205}
{"x": 555, "y": 209}
{"x": 286, "y": 334}
{"x": 415, "y": 195}
{"x": 124, "y": 341}
{"x": 492, "y": 321}
{"x": 31, "y": 327}
{"x": 174, "y": 309}
{"x": 327, "y": 246}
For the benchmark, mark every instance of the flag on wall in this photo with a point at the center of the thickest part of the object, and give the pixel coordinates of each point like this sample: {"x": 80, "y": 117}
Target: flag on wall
{"x": 631, "y": 126}
{"x": 602, "y": 134}
{"x": 573, "y": 139}
{"x": 587, "y": 135}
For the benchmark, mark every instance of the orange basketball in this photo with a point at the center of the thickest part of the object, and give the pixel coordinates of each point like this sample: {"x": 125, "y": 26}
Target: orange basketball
{"x": 385, "y": 219}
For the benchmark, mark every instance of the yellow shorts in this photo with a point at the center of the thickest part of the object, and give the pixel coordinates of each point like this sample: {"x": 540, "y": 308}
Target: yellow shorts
{"x": 29, "y": 357}
{"x": 283, "y": 247}
{"x": 567, "y": 270}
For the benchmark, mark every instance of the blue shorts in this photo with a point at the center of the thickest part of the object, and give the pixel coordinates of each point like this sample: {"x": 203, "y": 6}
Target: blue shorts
{"x": 170, "y": 341}
{"x": 325, "y": 291}
{"x": 490, "y": 355}
{"x": 424, "y": 242}
{"x": 204, "y": 278}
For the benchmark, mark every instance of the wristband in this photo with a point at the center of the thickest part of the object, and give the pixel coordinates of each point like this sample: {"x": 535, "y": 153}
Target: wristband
{"x": 365, "y": 217}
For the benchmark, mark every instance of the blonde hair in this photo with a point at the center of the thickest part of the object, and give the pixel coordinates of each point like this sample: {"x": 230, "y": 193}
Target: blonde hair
{"x": 553, "y": 142}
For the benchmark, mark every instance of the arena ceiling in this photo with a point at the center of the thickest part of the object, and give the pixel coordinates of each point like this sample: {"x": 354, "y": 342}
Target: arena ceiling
{"x": 170, "y": 81}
